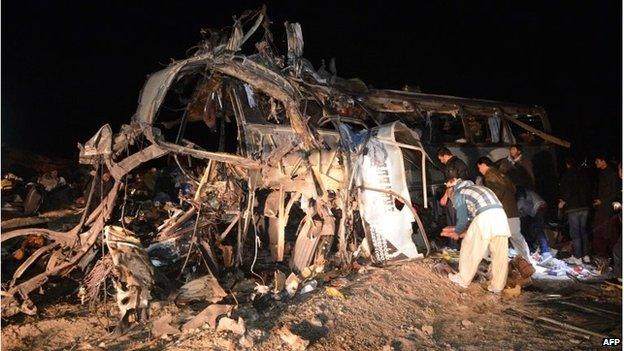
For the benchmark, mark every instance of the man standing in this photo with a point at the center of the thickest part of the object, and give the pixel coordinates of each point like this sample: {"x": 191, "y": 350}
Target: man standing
{"x": 605, "y": 232}
{"x": 482, "y": 223}
{"x": 453, "y": 168}
{"x": 575, "y": 191}
{"x": 518, "y": 168}
{"x": 505, "y": 191}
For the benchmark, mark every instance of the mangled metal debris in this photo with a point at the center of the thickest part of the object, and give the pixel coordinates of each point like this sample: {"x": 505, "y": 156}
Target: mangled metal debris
{"x": 209, "y": 315}
{"x": 135, "y": 272}
{"x": 206, "y": 288}
{"x": 162, "y": 326}
{"x": 268, "y": 153}
{"x": 262, "y": 159}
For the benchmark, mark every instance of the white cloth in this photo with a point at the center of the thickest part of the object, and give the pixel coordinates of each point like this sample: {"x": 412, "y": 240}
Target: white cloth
{"x": 489, "y": 229}
{"x": 492, "y": 222}
{"x": 517, "y": 240}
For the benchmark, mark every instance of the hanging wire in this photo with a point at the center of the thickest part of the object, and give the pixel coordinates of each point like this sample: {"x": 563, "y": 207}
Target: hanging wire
{"x": 101, "y": 169}
{"x": 123, "y": 206}
{"x": 192, "y": 239}
{"x": 256, "y": 240}
{"x": 175, "y": 157}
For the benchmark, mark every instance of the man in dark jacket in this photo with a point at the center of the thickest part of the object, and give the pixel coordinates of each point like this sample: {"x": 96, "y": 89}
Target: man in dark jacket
{"x": 518, "y": 168}
{"x": 504, "y": 189}
{"x": 575, "y": 200}
{"x": 453, "y": 168}
{"x": 605, "y": 231}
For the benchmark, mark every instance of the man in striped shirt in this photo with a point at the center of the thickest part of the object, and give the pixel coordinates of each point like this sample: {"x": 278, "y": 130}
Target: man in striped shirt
{"x": 482, "y": 223}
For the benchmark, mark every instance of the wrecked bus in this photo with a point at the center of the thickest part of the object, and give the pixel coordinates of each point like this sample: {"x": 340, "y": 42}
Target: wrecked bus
{"x": 276, "y": 162}
{"x": 472, "y": 128}
{"x": 272, "y": 155}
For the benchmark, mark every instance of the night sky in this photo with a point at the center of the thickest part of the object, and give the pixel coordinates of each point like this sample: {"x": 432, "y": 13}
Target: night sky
{"x": 69, "y": 67}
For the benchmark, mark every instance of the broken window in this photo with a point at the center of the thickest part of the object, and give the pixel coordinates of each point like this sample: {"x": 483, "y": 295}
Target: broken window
{"x": 478, "y": 129}
{"x": 314, "y": 111}
{"x": 194, "y": 113}
{"x": 413, "y": 174}
{"x": 524, "y": 136}
{"x": 447, "y": 129}
{"x": 508, "y": 137}
{"x": 415, "y": 121}
{"x": 259, "y": 108}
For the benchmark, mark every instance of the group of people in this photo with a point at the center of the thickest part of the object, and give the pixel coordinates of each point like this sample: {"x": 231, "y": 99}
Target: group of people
{"x": 502, "y": 207}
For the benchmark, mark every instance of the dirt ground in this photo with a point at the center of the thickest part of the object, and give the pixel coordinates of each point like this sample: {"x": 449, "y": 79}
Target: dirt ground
{"x": 401, "y": 307}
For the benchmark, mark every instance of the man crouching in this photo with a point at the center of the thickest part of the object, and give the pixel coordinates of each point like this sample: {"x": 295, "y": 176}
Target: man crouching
{"x": 480, "y": 211}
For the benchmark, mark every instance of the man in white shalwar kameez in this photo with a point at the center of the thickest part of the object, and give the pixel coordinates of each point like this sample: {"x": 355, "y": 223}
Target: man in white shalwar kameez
{"x": 482, "y": 223}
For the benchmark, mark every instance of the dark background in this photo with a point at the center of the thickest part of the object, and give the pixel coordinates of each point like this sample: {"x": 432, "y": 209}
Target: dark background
{"x": 69, "y": 67}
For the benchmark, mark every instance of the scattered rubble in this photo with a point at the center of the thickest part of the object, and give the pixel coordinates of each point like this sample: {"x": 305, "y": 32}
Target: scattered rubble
{"x": 162, "y": 326}
{"x": 333, "y": 292}
{"x": 209, "y": 315}
{"x": 339, "y": 283}
{"x": 228, "y": 324}
{"x": 308, "y": 287}
{"x": 427, "y": 329}
{"x": 292, "y": 284}
{"x": 443, "y": 268}
{"x": 279, "y": 282}
{"x": 411, "y": 297}
{"x": 294, "y": 341}
{"x": 512, "y": 292}
{"x": 205, "y": 288}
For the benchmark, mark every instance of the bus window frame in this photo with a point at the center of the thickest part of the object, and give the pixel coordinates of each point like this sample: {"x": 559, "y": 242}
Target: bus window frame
{"x": 469, "y": 133}
{"x": 538, "y": 140}
{"x": 455, "y": 142}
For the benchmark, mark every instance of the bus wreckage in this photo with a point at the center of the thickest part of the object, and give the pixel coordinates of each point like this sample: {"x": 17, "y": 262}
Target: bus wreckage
{"x": 278, "y": 162}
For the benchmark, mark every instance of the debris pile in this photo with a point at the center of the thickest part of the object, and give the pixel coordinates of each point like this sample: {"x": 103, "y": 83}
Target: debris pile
{"x": 235, "y": 169}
